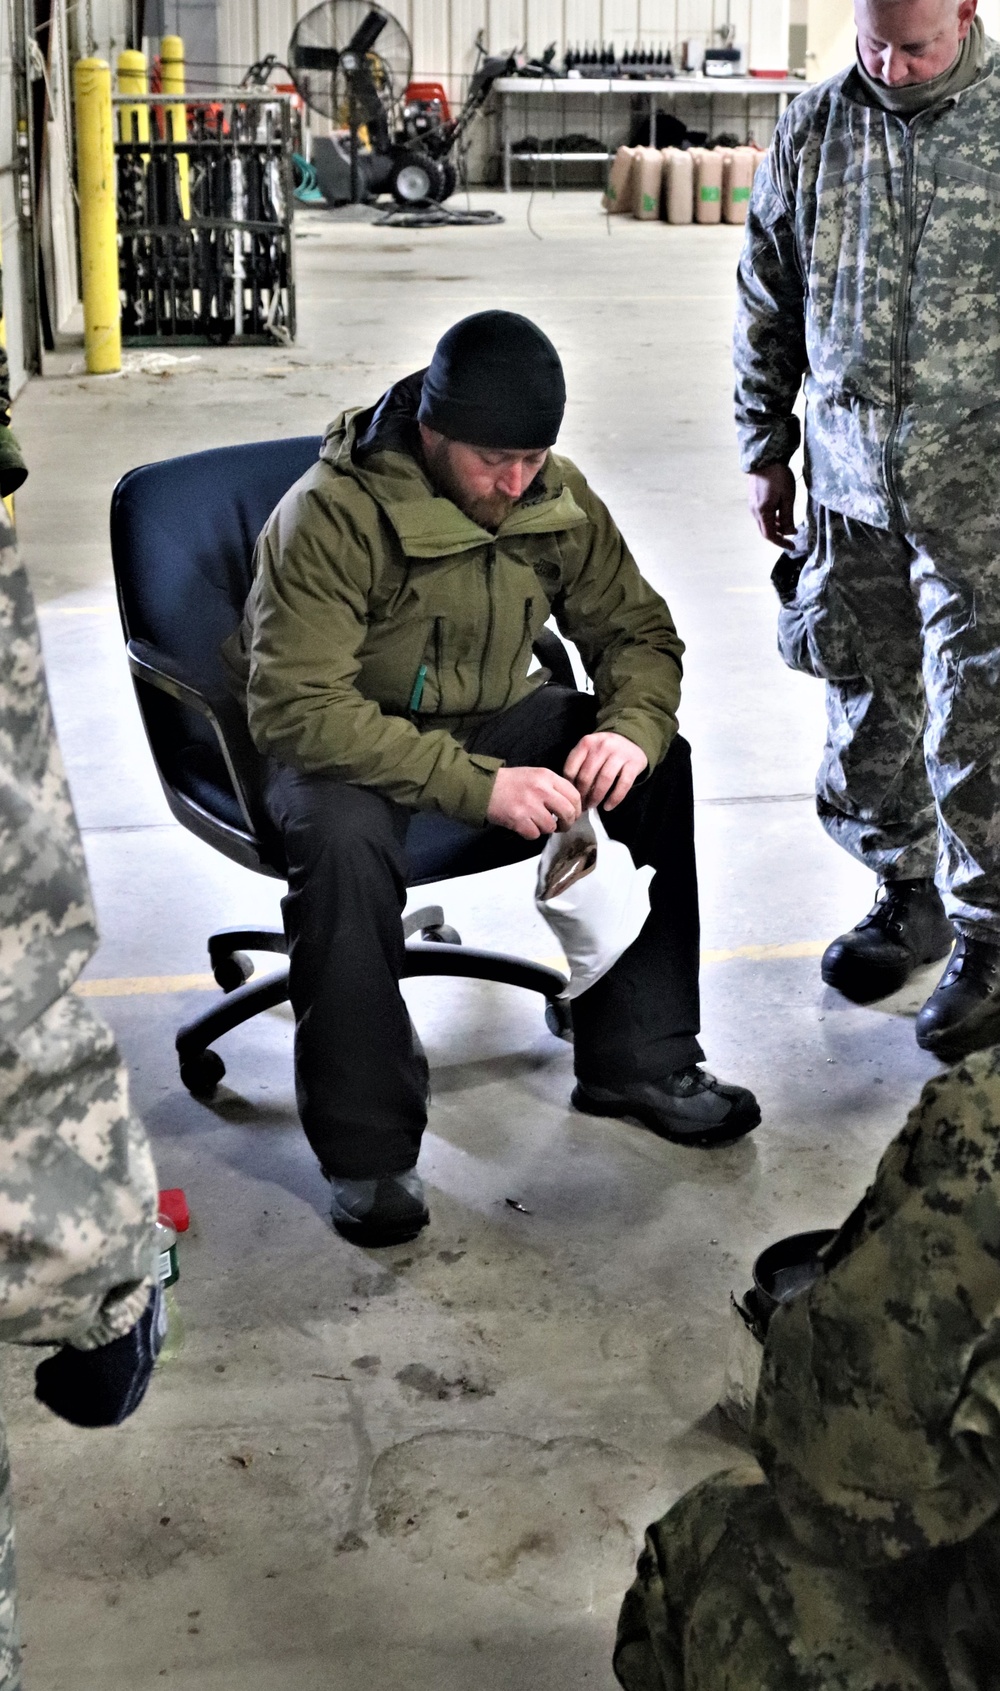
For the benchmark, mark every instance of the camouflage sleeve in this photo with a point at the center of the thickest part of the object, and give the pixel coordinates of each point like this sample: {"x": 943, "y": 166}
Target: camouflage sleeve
{"x": 878, "y": 1415}
{"x": 650, "y": 1645}
{"x": 769, "y": 349}
{"x": 77, "y": 1185}
{"x": 47, "y": 927}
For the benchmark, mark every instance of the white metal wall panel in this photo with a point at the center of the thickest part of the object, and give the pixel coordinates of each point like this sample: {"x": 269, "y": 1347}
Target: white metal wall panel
{"x": 620, "y": 24}
{"x": 431, "y": 38}
{"x": 544, "y": 24}
{"x": 468, "y": 17}
{"x": 506, "y": 25}
{"x": 583, "y": 22}
{"x": 442, "y": 31}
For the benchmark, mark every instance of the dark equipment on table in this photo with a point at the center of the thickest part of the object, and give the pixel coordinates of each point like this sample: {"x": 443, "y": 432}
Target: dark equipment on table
{"x": 351, "y": 62}
{"x": 204, "y": 220}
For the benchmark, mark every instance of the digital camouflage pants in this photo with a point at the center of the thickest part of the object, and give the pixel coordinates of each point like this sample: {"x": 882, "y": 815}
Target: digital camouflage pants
{"x": 905, "y": 631}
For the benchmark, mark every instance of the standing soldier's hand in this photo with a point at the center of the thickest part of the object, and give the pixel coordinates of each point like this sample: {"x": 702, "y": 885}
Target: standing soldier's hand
{"x": 771, "y": 497}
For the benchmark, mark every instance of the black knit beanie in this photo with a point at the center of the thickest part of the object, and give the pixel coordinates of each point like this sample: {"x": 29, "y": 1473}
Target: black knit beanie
{"x": 495, "y": 380}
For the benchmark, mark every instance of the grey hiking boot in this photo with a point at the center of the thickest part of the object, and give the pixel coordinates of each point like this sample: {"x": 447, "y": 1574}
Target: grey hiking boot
{"x": 689, "y": 1106}
{"x": 386, "y": 1211}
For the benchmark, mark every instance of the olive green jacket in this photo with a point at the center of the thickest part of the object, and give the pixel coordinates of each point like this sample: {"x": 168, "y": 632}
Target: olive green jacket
{"x": 384, "y": 625}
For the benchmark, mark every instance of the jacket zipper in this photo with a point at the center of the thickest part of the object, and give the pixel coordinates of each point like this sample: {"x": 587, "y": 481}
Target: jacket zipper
{"x": 525, "y": 639}
{"x": 899, "y": 338}
{"x": 490, "y": 560}
{"x": 418, "y": 686}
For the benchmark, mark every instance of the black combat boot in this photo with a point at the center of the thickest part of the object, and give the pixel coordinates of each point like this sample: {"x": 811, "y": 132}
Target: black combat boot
{"x": 962, "y": 1014}
{"x": 905, "y": 927}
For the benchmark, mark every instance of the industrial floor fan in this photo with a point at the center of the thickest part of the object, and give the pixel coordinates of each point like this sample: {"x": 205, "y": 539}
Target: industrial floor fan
{"x": 351, "y": 61}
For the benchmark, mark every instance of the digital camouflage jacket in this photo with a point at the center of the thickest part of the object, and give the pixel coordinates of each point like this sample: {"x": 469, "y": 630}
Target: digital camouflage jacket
{"x": 870, "y": 268}
{"x": 77, "y": 1184}
{"x": 383, "y": 624}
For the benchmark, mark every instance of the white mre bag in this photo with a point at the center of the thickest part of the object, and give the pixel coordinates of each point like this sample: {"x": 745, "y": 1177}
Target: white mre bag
{"x": 593, "y": 897}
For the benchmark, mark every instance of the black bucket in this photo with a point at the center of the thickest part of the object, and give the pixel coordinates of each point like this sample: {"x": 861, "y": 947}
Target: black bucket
{"x": 788, "y": 1267}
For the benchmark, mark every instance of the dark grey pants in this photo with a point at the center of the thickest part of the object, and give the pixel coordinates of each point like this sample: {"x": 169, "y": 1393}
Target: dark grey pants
{"x": 361, "y": 1087}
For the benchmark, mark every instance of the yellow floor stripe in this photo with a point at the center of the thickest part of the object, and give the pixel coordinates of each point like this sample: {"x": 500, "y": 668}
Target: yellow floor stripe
{"x": 134, "y": 986}
{"x": 768, "y": 953}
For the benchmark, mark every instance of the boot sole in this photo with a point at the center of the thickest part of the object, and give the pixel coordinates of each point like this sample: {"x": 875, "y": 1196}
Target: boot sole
{"x": 375, "y": 1235}
{"x": 723, "y": 1133}
{"x": 950, "y": 1045}
{"x": 860, "y": 983}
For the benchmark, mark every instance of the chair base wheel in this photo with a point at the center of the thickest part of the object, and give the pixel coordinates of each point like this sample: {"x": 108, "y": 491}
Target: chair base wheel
{"x": 233, "y": 971}
{"x": 559, "y": 1019}
{"x": 442, "y": 934}
{"x": 202, "y": 1074}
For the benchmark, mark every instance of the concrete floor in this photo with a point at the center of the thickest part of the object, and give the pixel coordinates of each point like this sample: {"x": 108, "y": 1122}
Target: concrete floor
{"x": 431, "y": 1467}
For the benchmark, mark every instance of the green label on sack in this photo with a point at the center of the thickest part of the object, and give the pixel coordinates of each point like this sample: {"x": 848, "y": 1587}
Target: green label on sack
{"x": 648, "y": 202}
{"x": 612, "y": 192}
{"x": 740, "y": 194}
{"x": 711, "y": 194}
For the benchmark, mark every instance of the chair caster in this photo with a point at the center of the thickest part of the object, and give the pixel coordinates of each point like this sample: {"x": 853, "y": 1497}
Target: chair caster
{"x": 442, "y": 934}
{"x": 202, "y": 1074}
{"x": 233, "y": 971}
{"x": 559, "y": 1019}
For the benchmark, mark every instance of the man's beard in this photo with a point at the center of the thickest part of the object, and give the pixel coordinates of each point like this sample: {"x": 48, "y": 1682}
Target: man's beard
{"x": 489, "y": 511}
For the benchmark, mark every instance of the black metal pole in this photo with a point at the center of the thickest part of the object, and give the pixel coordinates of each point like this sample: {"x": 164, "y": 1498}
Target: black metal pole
{"x": 352, "y": 111}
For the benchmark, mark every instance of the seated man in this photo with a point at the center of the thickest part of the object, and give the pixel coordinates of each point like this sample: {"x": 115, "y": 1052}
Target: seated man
{"x": 385, "y": 652}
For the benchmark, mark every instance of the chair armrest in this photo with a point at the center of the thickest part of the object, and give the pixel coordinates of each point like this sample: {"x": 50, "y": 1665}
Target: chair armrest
{"x": 221, "y": 709}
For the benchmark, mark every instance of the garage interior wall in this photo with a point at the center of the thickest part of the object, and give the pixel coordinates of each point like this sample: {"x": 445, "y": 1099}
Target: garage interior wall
{"x": 443, "y": 32}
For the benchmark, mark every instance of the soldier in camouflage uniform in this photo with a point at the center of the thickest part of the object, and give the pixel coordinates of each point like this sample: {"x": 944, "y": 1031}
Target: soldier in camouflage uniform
{"x": 870, "y": 269}
{"x": 863, "y": 1553}
{"x": 77, "y": 1183}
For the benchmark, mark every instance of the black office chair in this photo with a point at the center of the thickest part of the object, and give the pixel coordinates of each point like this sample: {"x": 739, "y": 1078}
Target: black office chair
{"x": 182, "y": 539}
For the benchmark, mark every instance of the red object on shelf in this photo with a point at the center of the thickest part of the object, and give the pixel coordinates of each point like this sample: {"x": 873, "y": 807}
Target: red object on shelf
{"x": 428, "y": 92}
{"x": 772, "y": 75}
{"x": 174, "y": 1205}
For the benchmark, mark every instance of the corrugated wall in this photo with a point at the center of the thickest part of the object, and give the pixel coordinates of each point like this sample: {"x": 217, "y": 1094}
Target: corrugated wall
{"x": 443, "y": 31}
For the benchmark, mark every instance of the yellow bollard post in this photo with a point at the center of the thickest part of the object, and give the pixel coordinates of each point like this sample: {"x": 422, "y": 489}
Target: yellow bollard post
{"x": 98, "y": 217}
{"x": 172, "y": 78}
{"x": 132, "y": 79}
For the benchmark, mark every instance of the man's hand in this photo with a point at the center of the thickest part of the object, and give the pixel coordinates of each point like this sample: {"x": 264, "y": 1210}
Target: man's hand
{"x": 771, "y": 497}
{"x": 603, "y": 768}
{"x": 533, "y": 802}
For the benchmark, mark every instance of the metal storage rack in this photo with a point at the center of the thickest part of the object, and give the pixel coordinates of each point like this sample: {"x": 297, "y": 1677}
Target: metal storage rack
{"x": 205, "y": 198}
{"x": 659, "y": 93}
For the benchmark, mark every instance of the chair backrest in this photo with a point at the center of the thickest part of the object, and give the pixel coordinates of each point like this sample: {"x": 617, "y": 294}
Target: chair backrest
{"x": 182, "y": 538}
{"x": 183, "y": 533}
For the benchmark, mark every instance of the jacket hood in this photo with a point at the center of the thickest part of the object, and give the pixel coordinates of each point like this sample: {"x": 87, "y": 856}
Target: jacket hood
{"x": 378, "y": 447}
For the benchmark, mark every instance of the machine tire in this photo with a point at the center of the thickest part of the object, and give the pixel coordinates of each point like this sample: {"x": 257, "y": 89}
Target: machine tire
{"x": 449, "y": 179}
{"x": 416, "y": 179}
